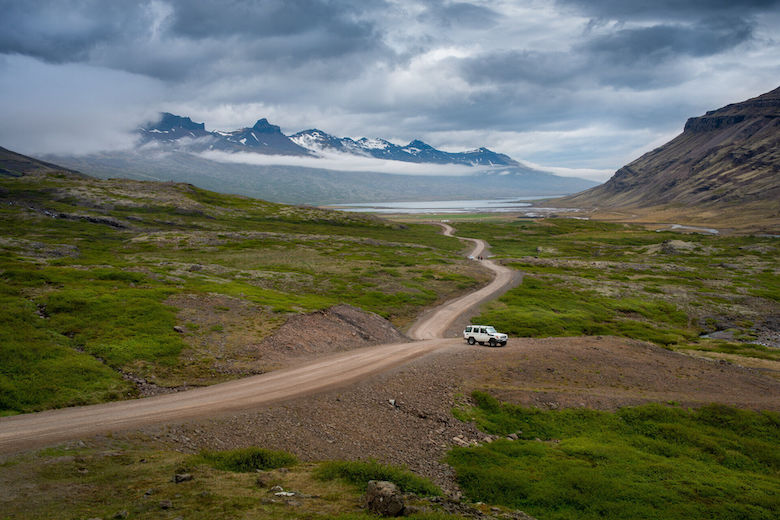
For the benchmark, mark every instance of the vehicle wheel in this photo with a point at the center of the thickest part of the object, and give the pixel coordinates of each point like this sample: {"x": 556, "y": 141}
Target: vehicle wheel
{"x": 492, "y": 342}
{"x": 503, "y": 343}
{"x": 472, "y": 341}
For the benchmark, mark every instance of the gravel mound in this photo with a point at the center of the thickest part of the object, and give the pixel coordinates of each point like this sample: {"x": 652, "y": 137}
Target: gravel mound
{"x": 337, "y": 329}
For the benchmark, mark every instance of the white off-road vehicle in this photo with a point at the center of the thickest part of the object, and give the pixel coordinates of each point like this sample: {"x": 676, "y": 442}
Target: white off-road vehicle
{"x": 484, "y": 334}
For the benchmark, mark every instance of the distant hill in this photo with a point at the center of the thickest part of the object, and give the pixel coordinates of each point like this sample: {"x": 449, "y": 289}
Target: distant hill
{"x": 13, "y": 164}
{"x": 300, "y": 185}
{"x": 725, "y": 162}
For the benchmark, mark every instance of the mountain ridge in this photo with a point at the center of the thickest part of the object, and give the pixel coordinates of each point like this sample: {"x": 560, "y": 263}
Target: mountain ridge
{"x": 725, "y": 158}
{"x": 267, "y": 138}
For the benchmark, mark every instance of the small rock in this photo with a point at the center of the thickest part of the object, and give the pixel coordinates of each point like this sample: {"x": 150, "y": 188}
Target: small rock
{"x": 512, "y": 436}
{"x": 294, "y": 503}
{"x": 182, "y": 477}
{"x": 119, "y": 515}
{"x": 166, "y": 504}
{"x": 285, "y": 494}
{"x": 277, "y": 489}
{"x": 384, "y": 498}
{"x": 179, "y": 329}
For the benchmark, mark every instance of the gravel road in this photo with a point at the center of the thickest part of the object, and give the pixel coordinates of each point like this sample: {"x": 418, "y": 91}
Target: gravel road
{"x": 39, "y": 429}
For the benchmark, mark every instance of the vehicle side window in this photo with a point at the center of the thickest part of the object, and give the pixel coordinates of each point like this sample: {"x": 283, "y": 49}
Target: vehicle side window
{"x": 483, "y": 331}
{"x": 468, "y": 329}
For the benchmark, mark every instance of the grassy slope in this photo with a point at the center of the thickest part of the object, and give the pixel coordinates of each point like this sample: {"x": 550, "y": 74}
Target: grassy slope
{"x": 638, "y": 463}
{"x": 89, "y": 267}
{"x": 601, "y": 278}
{"x": 131, "y": 480}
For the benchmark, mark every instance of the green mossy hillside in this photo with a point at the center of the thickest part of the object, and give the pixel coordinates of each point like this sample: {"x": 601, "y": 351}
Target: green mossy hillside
{"x": 93, "y": 274}
{"x": 598, "y": 278}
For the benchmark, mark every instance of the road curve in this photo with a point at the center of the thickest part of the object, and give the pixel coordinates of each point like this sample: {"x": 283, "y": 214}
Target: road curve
{"x": 28, "y": 431}
{"x": 434, "y": 324}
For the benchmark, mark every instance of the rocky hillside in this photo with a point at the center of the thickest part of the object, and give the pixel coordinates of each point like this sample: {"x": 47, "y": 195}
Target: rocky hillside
{"x": 726, "y": 157}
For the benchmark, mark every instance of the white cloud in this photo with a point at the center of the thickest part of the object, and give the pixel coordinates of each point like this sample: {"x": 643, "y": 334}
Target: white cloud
{"x": 343, "y": 162}
{"x": 71, "y": 108}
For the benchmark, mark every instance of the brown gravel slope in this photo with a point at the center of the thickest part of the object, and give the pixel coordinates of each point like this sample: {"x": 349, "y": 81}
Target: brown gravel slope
{"x": 360, "y": 422}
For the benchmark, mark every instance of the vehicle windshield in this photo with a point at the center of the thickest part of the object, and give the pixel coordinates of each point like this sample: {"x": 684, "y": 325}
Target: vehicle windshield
{"x": 490, "y": 330}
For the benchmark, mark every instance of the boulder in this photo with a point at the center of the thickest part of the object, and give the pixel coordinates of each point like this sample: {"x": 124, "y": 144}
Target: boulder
{"x": 182, "y": 477}
{"x": 384, "y": 498}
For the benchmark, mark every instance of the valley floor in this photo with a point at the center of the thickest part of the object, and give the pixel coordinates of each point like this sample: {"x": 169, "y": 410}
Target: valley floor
{"x": 360, "y": 421}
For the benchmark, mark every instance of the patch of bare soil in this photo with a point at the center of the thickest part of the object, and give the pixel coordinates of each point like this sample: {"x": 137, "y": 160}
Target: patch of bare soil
{"x": 405, "y": 416}
{"x": 337, "y": 329}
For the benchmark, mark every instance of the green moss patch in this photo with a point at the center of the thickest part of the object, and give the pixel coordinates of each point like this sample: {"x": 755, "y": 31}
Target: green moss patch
{"x": 642, "y": 462}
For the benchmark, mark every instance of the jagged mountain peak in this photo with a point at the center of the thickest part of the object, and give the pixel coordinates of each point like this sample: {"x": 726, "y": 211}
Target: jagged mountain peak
{"x": 262, "y": 125}
{"x": 418, "y": 144}
{"x": 267, "y": 138}
{"x": 170, "y": 122}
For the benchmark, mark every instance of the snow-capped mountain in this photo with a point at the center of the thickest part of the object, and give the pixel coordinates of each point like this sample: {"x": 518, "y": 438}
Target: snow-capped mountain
{"x": 416, "y": 151}
{"x": 171, "y": 128}
{"x": 266, "y": 138}
{"x": 181, "y": 132}
{"x": 314, "y": 176}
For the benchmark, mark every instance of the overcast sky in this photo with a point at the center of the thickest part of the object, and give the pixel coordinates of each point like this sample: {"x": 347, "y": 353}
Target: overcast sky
{"x": 575, "y": 85}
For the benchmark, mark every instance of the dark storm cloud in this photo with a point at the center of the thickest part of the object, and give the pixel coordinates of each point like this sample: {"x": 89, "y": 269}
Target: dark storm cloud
{"x": 668, "y": 9}
{"x": 588, "y": 72}
{"x": 459, "y": 14}
{"x": 661, "y": 42}
{"x": 203, "y": 18}
{"x": 541, "y": 68}
{"x": 642, "y": 58}
{"x": 58, "y": 31}
{"x": 172, "y": 40}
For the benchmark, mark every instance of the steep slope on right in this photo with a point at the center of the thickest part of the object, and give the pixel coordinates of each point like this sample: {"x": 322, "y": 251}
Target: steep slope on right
{"x": 723, "y": 170}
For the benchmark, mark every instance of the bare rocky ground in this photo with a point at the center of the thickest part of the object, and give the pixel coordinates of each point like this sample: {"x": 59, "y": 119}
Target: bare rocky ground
{"x": 405, "y": 416}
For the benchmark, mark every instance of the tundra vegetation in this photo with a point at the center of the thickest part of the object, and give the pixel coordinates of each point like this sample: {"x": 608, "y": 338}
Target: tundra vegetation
{"x": 130, "y": 479}
{"x": 650, "y": 461}
{"x": 93, "y": 274}
{"x": 692, "y": 292}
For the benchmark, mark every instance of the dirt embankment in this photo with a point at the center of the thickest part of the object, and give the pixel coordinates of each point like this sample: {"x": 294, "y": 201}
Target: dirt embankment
{"x": 337, "y": 329}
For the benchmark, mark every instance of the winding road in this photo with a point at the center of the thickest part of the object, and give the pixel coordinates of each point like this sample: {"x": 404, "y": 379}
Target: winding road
{"x": 28, "y": 431}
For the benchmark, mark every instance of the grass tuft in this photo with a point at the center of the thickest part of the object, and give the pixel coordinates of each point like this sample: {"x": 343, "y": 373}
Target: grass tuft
{"x": 246, "y": 460}
{"x": 360, "y": 472}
